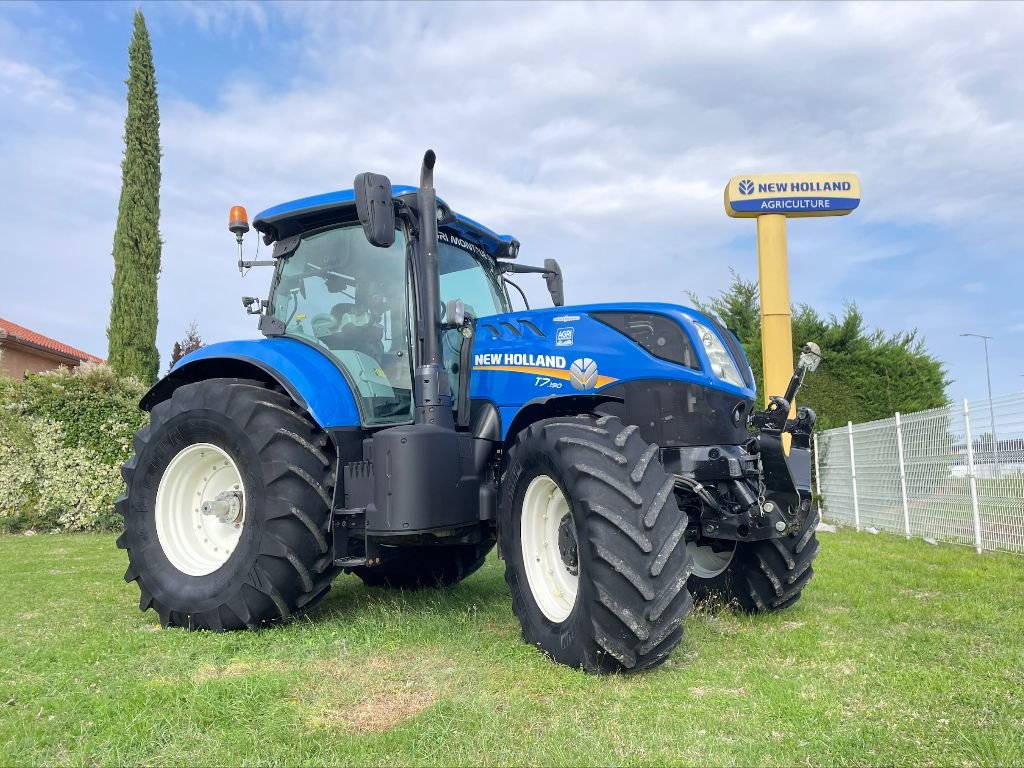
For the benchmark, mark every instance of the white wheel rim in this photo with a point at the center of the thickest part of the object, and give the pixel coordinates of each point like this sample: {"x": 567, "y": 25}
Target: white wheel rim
{"x": 196, "y": 542}
{"x": 707, "y": 563}
{"x": 553, "y": 585}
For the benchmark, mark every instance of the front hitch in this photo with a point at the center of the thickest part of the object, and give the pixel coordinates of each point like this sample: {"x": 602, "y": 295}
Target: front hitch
{"x": 755, "y": 491}
{"x": 776, "y": 416}
{"x": 787, "y": 479}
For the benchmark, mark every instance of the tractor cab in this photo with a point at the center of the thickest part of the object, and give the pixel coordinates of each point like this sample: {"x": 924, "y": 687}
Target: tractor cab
{"x": 333, "y": 290}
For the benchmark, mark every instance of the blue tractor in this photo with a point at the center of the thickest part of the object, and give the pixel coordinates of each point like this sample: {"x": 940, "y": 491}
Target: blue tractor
{"x": 399, "y": 419}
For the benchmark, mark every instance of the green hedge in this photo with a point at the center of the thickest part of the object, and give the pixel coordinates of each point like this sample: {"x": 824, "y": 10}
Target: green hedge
{"x": 63, "y": 437}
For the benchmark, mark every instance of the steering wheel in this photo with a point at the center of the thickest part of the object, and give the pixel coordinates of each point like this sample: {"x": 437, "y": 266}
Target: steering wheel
{"x": 324, "y": 324}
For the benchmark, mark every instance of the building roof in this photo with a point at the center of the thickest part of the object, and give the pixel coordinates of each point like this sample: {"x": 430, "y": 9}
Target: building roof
{"x": 18, "y": 333}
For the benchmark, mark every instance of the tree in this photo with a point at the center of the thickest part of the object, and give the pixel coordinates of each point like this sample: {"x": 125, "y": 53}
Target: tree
{"x": 190, "y": 343}
{"x": 863, "y": 375}
{"x": 131, "y": 333}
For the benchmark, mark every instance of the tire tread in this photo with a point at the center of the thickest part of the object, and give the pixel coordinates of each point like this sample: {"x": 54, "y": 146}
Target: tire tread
{"x": 636, "y": 571}
{"x": 289, "y": 573}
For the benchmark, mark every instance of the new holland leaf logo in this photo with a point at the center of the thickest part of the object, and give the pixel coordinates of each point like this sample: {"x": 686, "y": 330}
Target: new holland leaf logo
{"x": 746, "y": 187}
{"x": 583, "y": 373}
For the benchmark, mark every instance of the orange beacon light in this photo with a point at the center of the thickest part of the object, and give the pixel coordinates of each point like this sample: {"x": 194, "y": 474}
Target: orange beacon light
{"x": 238, "y": 221}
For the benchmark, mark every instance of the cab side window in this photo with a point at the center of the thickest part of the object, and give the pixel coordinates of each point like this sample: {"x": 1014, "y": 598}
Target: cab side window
{"x": 342, "y": 294}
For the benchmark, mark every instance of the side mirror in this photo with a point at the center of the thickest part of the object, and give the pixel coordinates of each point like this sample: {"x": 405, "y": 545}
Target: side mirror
{"x": 376, "y": 208}
{"x": 553, "y": 277}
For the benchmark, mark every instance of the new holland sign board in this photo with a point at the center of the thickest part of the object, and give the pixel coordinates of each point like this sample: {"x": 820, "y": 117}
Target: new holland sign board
{"x": 792, "y": 194}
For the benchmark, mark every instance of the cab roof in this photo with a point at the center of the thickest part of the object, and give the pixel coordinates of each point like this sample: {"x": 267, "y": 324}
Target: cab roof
{"x": 297, "y": 216}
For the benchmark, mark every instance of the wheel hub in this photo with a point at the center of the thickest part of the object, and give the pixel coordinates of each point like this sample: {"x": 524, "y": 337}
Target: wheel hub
{"x": 200, "y": 509}
{"x": 550, "y": 549}
{"x": 567, "y": 547}
{"x": 227, "y": 507}
{"x": 709, "y": 562}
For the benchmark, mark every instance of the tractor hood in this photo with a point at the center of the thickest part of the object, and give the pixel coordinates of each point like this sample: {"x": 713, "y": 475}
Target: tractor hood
{"x": 661, "y": 350}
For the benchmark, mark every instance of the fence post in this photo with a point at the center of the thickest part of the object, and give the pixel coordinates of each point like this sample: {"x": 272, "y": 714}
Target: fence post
{"x": 972, "y": 478}
{"x": 817, "y": 469}
{"x": 903, "y": 475}
{"x": 853, "y": 477}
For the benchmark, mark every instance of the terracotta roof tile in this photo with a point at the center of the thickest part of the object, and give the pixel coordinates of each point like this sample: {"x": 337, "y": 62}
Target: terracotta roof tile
{"x": 20, "y": 333}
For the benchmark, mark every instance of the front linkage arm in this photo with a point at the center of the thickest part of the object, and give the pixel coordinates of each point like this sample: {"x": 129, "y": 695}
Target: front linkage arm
{"x": 771, "y": 497}
{"x": 775, "y": 417}
{"x": 787, "y": 479}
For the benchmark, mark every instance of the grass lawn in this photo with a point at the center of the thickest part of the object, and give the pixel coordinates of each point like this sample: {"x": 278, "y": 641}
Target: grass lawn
{"x": 899, "y": 652}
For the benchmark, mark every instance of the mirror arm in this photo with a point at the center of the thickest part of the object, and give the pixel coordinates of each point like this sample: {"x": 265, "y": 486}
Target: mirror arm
{"x": 522, "y": 269}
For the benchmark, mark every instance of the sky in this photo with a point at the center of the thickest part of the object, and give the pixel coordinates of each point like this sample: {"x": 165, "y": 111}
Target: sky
{"x": 599, "y": 134}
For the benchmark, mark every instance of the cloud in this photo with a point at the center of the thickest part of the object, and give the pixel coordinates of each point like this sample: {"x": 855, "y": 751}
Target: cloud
{"x": 600, "y": 133}
{"x": 224, "y": 17}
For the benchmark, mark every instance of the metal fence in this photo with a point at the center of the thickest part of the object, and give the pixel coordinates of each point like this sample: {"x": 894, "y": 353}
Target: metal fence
{"x": 953, "y": 474}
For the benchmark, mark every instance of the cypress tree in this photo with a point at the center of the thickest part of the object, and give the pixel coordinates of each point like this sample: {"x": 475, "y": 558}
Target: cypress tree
{"x": 131, "y": 333}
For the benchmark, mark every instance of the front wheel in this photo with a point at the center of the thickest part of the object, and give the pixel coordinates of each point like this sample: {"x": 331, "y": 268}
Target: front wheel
{"x": 592, "y": 539}
{"x": 756, "y": 576}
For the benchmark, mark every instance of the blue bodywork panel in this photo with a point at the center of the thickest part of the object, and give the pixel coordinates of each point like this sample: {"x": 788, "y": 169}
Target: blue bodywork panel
{"x": 309, "y": 375}
{"x": 523, "y": 356}
{"x": 315, "y": 203}
{"x": 346, "y": 199}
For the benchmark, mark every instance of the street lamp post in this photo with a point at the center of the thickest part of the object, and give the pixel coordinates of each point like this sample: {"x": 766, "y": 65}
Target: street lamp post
{"x": 991, "y": 408}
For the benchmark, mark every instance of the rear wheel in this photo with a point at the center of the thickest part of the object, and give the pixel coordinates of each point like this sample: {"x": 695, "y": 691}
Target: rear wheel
{"x": 425, "y": 566}
{"x": 757, "y": 576}
{"x": 227, "y": 508}
{"x": 592, "y": 540}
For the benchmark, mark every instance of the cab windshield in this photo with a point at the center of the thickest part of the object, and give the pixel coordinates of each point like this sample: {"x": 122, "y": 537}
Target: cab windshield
{"x": 473, "y": 277}
{"x": 339, "y": 293}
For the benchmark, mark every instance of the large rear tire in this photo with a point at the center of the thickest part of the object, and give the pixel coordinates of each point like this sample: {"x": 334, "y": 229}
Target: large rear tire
{"x": 756, "y": 576}
{"x": 425, "y": 566}
{"x": 227, "y": 508}
{"x": 592, "y": 539}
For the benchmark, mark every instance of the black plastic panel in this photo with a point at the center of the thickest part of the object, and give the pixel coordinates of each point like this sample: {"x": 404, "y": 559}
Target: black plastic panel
{"x": 424, "y": 480}
{"x": 679, "y": 413}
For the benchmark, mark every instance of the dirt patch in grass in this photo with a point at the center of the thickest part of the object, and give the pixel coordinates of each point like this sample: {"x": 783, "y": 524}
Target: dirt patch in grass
{"x": 236, "y": 669}
{"x": 371, "y": 695}
{"x": 379, "y": 710}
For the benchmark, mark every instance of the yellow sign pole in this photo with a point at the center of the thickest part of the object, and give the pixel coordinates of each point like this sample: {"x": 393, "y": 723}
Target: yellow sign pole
{"x": 776, "y": 320}
{"x": 771, "y": 199}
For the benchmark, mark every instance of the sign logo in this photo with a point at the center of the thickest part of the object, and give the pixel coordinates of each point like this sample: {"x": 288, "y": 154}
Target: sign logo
{"x": 792, "y": 194}
{"x": 563, "y": 337}
{"x": 583, "y": 373}
{"x": 565, "y": 318}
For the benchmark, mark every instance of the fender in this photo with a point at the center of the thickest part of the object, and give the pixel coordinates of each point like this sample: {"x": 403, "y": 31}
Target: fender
{"x": 516, "y": 419}
{"x": 308, "y": 375}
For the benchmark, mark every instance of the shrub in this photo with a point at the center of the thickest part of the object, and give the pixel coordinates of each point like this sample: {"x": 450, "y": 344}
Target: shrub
{"x": 63, "y": 437}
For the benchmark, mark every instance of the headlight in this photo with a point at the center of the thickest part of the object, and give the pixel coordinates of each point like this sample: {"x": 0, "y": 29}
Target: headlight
{"x": 721, "y": 363}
